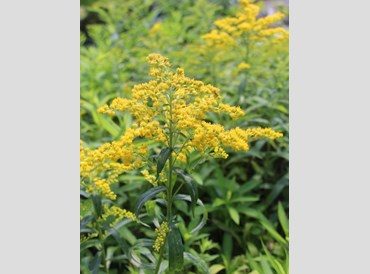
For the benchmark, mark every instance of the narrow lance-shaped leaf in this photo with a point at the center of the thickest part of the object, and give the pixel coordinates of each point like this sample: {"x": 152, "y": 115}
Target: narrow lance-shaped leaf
{"x": 175, "y": 249}
{"x": 97, "y": 205}
{"x": 94, "y": 265}
{"x": 148, "y": 195}
{"x": 162, "y": 159}
{"x": 190, "y": 185}
{"x": 85, "y": 221}
{"x": 283, "y": 219}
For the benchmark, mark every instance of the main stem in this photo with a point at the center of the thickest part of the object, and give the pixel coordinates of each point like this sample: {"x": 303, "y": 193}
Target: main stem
{"x": 101, "y": 238}
{"x": 169, "y": 190}
{"x": 169, "y": 185}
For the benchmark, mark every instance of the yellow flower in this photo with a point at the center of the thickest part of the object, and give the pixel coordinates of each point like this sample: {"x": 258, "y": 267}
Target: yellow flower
{"x": 118, "y": 213}
{"x": 155, "y": 28}
{"x": 242, "y": 66}
{"x": 161, "y": 232}
{"x": 150, "y": 178}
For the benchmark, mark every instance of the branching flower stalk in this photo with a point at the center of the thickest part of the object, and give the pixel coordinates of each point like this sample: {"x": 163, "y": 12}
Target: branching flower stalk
{"x": 172, "y": 113}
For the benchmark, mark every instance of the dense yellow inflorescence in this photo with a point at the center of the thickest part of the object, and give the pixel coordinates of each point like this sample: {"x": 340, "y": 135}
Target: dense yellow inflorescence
{"x": 99, "y": 168}
{"x": 245, "y": 26}
{"x": 170, "y": 104}
{"x": 186, "y": 102}
{"x": 161, "y": 232}
{"x": 118, "y": 213}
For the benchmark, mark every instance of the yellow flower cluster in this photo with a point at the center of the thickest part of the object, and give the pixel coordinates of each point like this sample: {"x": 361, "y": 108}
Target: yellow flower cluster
{"x": 118, "y": 213}
{"x": 150, "y": 178}
{"x": 88, "y": 236}
{"x": 219, "y": 40}
{"x": 99, "y": 168}
{"x": 155, "y": 29}
{"x": 102, "y": 186}
{"x": 174, "y": 101}
{"x": 243, "y": 66}
{"x": 162, "y": 232}
{"x": 245, "y": 26}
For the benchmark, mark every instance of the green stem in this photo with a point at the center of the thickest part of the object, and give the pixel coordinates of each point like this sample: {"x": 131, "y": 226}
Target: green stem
{"x": 101, "y": 238}
{"x": 169, "y": 185}
{"x": 177, "y": 190}
{"x": 169, "y": 190}
{"x": 160, "y": 258}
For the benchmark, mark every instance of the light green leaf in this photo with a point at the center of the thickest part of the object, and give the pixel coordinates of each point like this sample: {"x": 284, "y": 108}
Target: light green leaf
{"x": 234, "y": 215}
{"x": 216, "y": 268}
{"x": 283, "y": 219}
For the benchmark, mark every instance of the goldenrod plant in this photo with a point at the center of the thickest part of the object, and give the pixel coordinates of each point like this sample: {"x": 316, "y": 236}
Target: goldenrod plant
{"x": 170, "y": 136}
{"x": 224, "y": 232}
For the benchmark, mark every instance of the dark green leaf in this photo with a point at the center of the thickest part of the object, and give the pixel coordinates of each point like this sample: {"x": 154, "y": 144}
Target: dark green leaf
{"x": 89, "y": 243}
{"x": 120, "y": 240}
{"x": 276, "y": 190}
{"x": 150, "y": 102}
{"x": 97, "y": 205}
{"x": 95, "y": 263}
{"x": 151, "y": 193}
{"x": 85, "y": 221}
{"x": 87, "y": 230}
{"x": 175, "y": 249}
{"x": 227, "y": 245}
{"x": 162, "y": 159}
{"x": 190, "y": 185}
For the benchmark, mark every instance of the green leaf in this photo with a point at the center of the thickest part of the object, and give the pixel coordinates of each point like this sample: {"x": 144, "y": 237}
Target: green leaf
{"x": 140, "y": 255}
{"x": 283, "y": 219}
{"x": 198, "y": 262}
{"x": 265, "y": 266}
{"x": 227, "y": 245}
{"x": 143, "y": 198}
{"x": 97, "y": 205}
{"x": 249, "y": 186}
{"x": 89, "y": 243}
{"x": 275, "y": 263}
{"x": 276, "y": 190}
{"x": 216, "y": 268}
{"x": 242, "y": 86}
{"x": 162, "y": 159}
{"x": 175, "y": 249}
{"x": 95, "y": 263}
{"x": 270, "y": 228}
{"x": 245, "y": 199}
{"x": 120, "y": 240}
{"x": 234, "y": 215}
{"x": 199, "y": 202}
{"x": 191, "y": 186}
{"x": 85, "y": 221}
{"x": 254, "y": 264}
